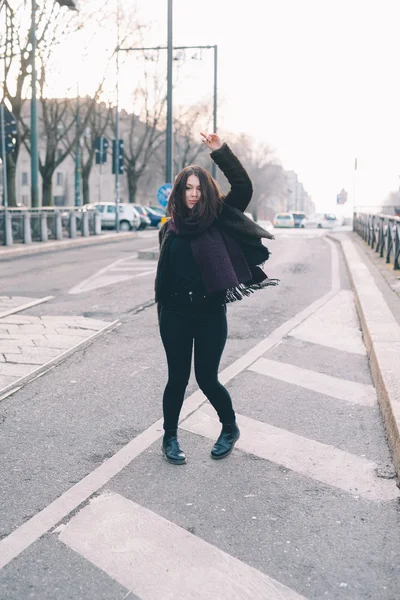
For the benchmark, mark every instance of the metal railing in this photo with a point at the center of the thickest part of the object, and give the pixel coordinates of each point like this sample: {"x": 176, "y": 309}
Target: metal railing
{"x": 382, "y": 233}
{"x": 22, "y": 225}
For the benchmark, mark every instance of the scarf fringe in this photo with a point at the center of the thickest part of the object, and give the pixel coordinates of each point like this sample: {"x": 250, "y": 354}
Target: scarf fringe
{"x": 246, "y": 289}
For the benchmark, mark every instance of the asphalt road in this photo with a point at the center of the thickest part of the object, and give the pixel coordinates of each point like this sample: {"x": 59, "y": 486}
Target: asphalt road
{"x": 305, "y": 507}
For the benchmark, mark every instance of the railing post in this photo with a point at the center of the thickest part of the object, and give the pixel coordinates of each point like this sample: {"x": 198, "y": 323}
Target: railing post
{"x": 373, "y": 235}
{"x": 27, "y": 228}
{"x": 396, "y": 265}
{"x": 85, "y": 224}
{"x": 72, "y": 224}
{"x": 44, "y": 236}
{"x": 389, "y": 242}
{"x": 59, "y": 233}
{"x": 8, "y": 235}
{"x": 97, "y": 223}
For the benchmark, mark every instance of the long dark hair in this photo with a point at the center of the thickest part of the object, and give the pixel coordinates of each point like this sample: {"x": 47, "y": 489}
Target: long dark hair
{"x": 207, "y": 209}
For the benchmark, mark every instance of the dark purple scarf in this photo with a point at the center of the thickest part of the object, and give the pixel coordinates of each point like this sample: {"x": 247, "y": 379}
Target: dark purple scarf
{"x": 219, "y": 258}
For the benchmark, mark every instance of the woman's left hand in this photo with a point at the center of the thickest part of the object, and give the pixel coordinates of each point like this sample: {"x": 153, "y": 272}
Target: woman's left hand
{"x": 212, "y": 141}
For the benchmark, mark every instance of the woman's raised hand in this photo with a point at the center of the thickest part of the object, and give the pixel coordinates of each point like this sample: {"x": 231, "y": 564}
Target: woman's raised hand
{"x": 211, "y": 140}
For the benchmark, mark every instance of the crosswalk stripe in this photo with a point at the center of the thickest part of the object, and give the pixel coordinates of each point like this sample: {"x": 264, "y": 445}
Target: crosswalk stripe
{"x": 154, "y": 558}
{"x": 334, "y": 325}
{"x": 342, "y": 389}
{"x": 327, "y": 464}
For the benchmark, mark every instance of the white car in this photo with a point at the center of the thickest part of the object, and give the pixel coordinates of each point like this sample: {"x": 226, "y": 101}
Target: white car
{"x": 129, "y": 218}
{"x": 320, "y": 221}
{"x": 283, "y": 220}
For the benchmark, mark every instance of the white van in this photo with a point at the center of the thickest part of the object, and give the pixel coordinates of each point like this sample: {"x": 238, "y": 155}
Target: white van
{"x": 129, "y": 218}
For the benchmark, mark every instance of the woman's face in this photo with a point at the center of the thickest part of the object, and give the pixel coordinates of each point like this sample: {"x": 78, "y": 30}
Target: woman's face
{"x": 193, "y": 193}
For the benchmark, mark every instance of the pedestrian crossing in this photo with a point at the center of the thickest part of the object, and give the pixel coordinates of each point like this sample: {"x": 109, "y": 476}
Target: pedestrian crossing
{"x": 151, "y": 556}
{"x": 131, "y": 543}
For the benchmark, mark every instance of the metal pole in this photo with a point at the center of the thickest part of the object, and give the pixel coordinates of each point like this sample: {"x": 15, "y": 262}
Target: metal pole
{"x": 214, "y": 166}
{"x": 78, "y": 152}
{"x": 101, "y": 168}
{"x": 169, "y": 97}
{"x": 4, "y": 157}
{"x": 34, "y": 132}
{"x": 116, "y": 154}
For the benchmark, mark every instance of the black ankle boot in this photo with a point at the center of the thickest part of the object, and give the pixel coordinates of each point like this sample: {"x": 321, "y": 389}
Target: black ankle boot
{"x": 171, "y": 449}
{"x": 226, "y": 441}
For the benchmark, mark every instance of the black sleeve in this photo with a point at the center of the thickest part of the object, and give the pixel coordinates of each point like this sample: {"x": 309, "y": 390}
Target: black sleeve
{"x": 241, "y": 191}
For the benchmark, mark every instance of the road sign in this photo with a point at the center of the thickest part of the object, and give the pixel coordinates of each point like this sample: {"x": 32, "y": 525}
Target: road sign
{"x": 163, "y": 194}
{"x": 342, "y": 197}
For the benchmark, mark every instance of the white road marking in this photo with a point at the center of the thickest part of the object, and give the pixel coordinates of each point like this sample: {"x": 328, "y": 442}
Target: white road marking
{"x": 10, "y": 305}
{"x": 335, "y": 325}
{"x": 155, "y": 559}
{"x": 342, "y": 389}
{"x": 327, "y": 464}
{"x": 112, "y": 274}
{"x": 27, "y": 533}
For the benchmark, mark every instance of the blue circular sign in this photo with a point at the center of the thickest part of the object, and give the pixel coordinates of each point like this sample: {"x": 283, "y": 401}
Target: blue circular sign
{"x": 163, "y": 194}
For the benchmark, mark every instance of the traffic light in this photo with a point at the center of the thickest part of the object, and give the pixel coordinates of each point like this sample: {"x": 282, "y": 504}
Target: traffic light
{"x": 101, "y": 145}
{"x": 119, "y": 160}
{"x": 10, "y": 132}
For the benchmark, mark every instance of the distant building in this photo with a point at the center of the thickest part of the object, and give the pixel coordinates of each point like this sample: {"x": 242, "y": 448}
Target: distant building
{"x": 298, "y": 198}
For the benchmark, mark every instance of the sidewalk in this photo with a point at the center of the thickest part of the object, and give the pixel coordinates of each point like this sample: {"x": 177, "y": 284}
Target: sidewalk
{"x": 378, "y": 308}
{"x": 30, "y": 346}
{"x": 52, "y": 245}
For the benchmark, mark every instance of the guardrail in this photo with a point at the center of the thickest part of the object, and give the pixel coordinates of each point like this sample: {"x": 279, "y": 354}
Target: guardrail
{"x": 382, "y": 233}
{"x": 25, "y": 226}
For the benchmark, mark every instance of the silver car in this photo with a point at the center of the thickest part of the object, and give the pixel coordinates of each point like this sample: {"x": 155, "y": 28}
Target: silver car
{"x": 129, "y": 218}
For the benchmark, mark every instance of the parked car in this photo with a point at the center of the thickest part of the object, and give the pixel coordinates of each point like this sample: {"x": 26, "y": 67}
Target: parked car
{"x": 158, "y": 209}
{"x": 144, "y": 219}
{"x": 283, "y": 220}
{"x": 154, "y": 216}
{"x": 298, "y": 217}
{"x": 129, "y": 218}
{"x": 320, "y": 220}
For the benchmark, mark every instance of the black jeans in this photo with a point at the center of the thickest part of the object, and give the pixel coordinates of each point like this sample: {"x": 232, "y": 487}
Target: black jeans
{"x": 206, "y": 326}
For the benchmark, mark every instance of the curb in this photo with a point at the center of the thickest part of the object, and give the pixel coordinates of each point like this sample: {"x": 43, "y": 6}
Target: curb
{"x": 22, "y": 307}
{"x": 42, "y": 369}
{"x": 41, "y": 247}
{"x": 381, "y": 334}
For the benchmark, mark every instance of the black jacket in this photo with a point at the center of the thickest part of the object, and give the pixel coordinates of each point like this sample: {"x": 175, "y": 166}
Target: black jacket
{"x": 231, "y": 219}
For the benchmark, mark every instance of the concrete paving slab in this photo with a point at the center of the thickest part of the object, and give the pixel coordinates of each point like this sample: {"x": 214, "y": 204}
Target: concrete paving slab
{"x": 28, "y": 348}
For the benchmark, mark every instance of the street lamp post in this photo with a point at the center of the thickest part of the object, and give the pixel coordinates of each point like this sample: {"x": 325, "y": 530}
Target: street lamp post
{"x": 117, "y": 148}
{"x": 34, "y": 132}
{"x": 169, "y": 167}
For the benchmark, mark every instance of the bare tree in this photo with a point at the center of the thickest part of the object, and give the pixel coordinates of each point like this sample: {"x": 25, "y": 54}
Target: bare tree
{"x": 52, "y": 24}
{"x": 264, "y": 170}
{"x": 188, "y": 122}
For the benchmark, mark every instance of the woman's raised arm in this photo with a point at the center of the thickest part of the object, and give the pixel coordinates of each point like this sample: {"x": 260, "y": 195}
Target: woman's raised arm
{"x": 241, "y": 191}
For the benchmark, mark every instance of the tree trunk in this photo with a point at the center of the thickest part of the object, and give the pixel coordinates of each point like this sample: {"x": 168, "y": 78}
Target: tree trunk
{"x": 11, "y": 181}
{"x": 132, "y": 185}
{"x": 47, "y": 191}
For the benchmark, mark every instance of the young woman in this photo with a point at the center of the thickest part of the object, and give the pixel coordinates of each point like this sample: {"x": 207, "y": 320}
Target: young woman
{"x": 210, "y": 254}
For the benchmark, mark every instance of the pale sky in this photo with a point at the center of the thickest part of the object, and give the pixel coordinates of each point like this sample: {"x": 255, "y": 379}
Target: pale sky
{"x": 318, "y": 80}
